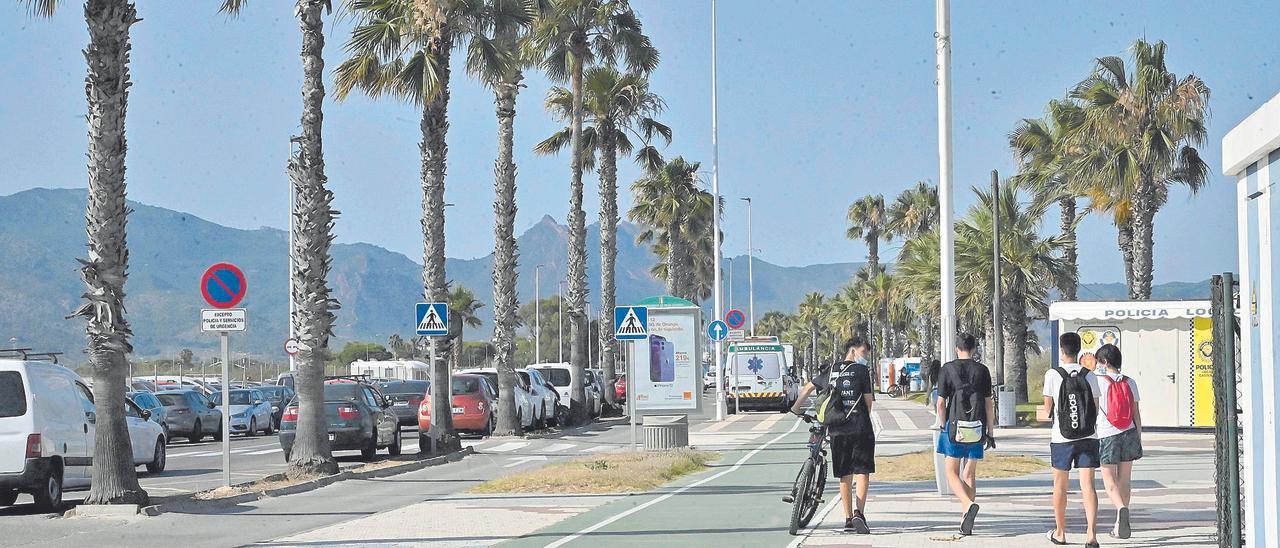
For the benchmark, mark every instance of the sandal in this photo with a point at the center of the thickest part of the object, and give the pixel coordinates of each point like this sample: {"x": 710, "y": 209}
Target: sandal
{"x": 966, "y": 526}
{"x": 1122, "y": 528}
{"x": 1049, "y": 535}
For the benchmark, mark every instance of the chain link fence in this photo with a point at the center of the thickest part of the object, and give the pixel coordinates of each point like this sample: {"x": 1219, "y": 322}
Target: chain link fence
{"x": 1228, "y": 450}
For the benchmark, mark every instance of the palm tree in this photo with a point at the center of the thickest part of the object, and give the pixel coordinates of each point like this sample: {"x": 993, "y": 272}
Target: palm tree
{"x": 115, "y": 480}
{"x": 666, "y": 200}
{"x": 869, "y": 222}
{"x": 310, "y": 260}
{"x": 617, "y": 107}
{"x": 773, "y": 323}
{"x": 1046, "y": 150}
{"x": 403, "y": 48}
{"x": 568, "y": 35}
{"x": 914, "y": 212}
{"x": 811, "y": 313}
{"x": 462, "y": 313}
{"x": 1143, "y": 128}
{"x": 694, "y": 280}
{"x": 501, "y": 68}
{"x": 918, "y": 271}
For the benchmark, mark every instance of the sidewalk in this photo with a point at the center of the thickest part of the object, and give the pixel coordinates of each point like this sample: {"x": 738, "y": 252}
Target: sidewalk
{"x": 1173, "y": 503}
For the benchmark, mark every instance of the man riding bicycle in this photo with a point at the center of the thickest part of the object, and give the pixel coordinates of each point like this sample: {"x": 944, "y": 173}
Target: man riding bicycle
{"x": 853, "y": 441}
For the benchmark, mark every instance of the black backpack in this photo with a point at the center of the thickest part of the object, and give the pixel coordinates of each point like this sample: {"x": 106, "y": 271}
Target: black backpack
{"x": 966, "y": 410}
{"x": 1077, "y": 413}
{"x": 831, "y": 409}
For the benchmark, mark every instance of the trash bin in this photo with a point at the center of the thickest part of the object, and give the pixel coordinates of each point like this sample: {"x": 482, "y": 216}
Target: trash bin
{"x": 1007, "y": 414}
{"x": 665, "y": 432}
{"x": 917, "y": 384}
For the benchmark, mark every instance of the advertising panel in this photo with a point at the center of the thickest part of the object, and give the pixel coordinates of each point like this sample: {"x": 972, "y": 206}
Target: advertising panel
{"x": 666, "y": 363}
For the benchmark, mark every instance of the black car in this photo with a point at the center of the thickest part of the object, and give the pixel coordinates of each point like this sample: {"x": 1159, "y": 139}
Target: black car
{"x": 405, "y": 398}
{"x": 279, "y": 396}
{"x": 359, "y": 418}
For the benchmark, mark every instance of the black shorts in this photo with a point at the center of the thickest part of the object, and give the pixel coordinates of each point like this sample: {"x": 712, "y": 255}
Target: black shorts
{"x": 853, "y": 455}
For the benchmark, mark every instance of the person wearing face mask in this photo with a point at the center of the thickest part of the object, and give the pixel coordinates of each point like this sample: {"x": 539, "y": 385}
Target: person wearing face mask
{"x": 1119, "y": 433}
{"x": 853, "y": 443}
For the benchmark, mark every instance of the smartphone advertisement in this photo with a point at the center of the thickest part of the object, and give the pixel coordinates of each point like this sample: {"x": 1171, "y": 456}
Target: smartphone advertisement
{"x": 667, "y": 363}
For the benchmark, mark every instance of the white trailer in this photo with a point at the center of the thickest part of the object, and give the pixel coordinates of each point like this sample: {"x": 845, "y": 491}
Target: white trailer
{"x": 1167, "y": 348}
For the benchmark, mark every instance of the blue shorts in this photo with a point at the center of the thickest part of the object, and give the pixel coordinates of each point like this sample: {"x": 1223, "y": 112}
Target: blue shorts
{"x": 946, "y": 447}
{"x": 1075, "y": 454}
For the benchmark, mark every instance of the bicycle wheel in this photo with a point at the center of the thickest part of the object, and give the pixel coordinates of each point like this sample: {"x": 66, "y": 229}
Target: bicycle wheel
{"x": 804, "y": 498}
{"x": 817, "y": 486}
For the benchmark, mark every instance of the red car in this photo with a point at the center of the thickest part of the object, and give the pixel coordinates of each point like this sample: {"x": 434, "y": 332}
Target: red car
{"x": 473, "y": 402}
{"x": 620, "y": 388}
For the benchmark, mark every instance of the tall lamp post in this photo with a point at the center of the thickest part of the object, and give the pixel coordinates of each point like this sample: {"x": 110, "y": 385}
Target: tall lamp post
{"x": 945, "y": 205}
{"x": 560, "y": 319}
{"x": 751, "y": 273}
{"x": 715, "y": 217}
{"x": 537, "y": 313}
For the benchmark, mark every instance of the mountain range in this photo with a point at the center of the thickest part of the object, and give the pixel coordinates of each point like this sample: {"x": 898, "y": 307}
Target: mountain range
{"x": 42, "y": 234}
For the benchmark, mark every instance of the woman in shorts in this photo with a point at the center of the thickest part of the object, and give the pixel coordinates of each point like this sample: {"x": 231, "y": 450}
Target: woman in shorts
{"x": 1119, "y": 433}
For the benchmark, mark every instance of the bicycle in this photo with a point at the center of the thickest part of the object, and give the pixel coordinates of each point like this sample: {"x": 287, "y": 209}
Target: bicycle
{"x": 806, "y": 493}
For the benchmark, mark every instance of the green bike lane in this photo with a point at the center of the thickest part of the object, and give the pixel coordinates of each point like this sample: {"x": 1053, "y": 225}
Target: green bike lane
{"x": 737, "y": 501}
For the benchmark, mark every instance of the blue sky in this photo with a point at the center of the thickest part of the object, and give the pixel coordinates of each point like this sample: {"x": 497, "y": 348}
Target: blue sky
{"x": 820, "y": 103}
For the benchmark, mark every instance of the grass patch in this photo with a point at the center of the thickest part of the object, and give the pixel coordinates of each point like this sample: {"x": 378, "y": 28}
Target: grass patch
{"x": 274, "y": 481}
{"x": 918, "y": 397}
{"x": 610, "y": 473}
{"x": 919, "y": 466}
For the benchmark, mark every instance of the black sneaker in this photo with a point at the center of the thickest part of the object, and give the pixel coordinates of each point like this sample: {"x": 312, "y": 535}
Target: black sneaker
{"x": 858, "y": 523}
{"x": 848, "y": 524}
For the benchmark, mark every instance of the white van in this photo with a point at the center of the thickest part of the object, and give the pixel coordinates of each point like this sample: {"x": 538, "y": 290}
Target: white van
{"x": 47, "y": 418}
{"x": 757, "y": 376}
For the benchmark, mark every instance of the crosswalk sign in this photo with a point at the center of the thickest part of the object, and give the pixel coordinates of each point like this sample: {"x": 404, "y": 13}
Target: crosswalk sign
{"x": 432, "y": 319}
{"x": 630, "y": 323}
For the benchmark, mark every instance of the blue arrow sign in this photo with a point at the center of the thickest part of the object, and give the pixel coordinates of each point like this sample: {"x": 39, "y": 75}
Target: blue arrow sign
{"x": 717, "y": 330}
{"x": 630, "y": 323}
{"x": 431, "y": 319}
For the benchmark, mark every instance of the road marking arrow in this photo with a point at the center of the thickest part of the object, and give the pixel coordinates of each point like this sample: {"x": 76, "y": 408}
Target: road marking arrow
{"x": 524, "y": 460}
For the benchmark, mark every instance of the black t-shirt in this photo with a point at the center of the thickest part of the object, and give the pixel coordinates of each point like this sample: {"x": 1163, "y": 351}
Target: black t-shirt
{"x": 949, "y": 381}
{"x": 853, "y": 380}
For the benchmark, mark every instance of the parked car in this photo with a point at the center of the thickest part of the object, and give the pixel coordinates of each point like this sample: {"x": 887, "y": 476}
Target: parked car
{"x": 473, "y": 405}
{"x": 47, "y": 421}
{"x": 594, "y": 384}
{"x": 709, "y": 379}
{"x": 191, "y": 415}
{"x": 620, "y": 388}
{"x": 544, "y": 398}
{"x": 250, "y": 412}
{"x": 523, "y": 397}
{"x": 141, "y": 385}
{"x": 561, "y": 375}
{"x": 286, "y": 379}
{"x": 359, "y": 418}
{"x": 278, "y": 397}
{"x": 159, "y": 413}
{"x": 405, "y": 398}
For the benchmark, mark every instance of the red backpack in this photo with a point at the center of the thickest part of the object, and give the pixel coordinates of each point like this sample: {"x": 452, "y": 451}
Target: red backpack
{"x": 1119, "y": 409}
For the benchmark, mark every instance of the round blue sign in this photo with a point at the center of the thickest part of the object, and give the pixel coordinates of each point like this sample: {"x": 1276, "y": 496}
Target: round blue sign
{"x": 717, "y": 330}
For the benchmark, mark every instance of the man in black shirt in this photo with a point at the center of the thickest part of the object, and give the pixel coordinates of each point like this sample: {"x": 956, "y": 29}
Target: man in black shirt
{"x": 968, "y": 383}
{"x": 853, "y": 443}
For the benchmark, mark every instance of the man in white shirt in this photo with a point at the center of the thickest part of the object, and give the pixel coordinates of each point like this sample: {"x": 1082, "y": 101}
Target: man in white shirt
{"x": 1080, "y": 451}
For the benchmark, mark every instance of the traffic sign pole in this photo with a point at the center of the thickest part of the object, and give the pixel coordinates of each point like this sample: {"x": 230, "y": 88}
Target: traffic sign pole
{"x": 631, "y": 395}
{"x": 226, "y": 410}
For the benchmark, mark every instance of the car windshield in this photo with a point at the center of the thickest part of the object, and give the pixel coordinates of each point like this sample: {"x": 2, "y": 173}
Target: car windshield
{"x": 342, "y": 391}
{"x": 492, "y": 378}
{"x": 465, "y": 385}
{"x": 13, "y": 398}
{"x": 557, "y": 376}
{"x": 406, "y": 387}
{"x": 273, "y": 393}
{"x": 172, "y": 400}
{"x": 238, "y": 397}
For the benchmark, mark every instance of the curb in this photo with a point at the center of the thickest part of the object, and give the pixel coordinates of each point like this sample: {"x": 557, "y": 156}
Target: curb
{"x": 102, "y": 511}
{"x": 185, "y": 500}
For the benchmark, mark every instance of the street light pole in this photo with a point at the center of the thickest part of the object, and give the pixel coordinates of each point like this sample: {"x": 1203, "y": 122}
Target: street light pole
{"x": 751, "y": 274}
{"x": 537, "y": 314}
{"x": 730, "y": 283}
{"x": 715, "y": 217}
{"x": 293, "y": 366}
{"x": 946, "y": 224}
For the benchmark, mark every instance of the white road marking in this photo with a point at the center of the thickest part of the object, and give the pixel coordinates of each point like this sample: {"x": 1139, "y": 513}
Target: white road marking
{"x": 266, "y": 451}
{"x": 815, "y": 522}
{"x": 904, "y": 422}
{"x": 524, "y": 460}
{"x": 557, "y": 447}
{"x": 599, "y": 448}
{"x": 635, "y": 509}
{"x": 768, "y": 423}
{"x": 509, "y": 446}
{"x": 722, "y": 424}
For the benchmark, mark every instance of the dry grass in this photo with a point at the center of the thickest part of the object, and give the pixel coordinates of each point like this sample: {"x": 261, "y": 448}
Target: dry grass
{"x": 919, "y": 466}
{"x": 610, "y": 473}
{"x": 268, "y": 483}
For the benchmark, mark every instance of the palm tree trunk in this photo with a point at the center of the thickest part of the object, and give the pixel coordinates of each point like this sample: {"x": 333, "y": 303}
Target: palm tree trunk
{"x": 873, "y": 257}
{"x": 577, "y": 268}
{"x": 435, "y": 126}
{"x": 106, "y": 89}
{"x": 457, "y": 345}
{"x": 1068, "y": 285}
{"x": 309, "y": 259}
{"x": 1144, "y": 212}
{"x": 675, "y": 249}
{"x": 608, "y": 249}
{"x": 505, "y": 303}
{"x": 1015, "y": 343}
{"x": 1124, "y": 238}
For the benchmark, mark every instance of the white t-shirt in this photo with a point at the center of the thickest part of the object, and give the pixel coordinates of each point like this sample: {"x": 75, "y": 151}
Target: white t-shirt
{"x": 1052, "y": 383}
{"x": 1105, "y": 428}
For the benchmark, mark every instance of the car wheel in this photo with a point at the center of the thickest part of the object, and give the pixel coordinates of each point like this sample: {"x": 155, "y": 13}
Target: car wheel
{"x": 49, "y": 495}
{"x": 8, "y": 497}
{"x": 394, "y": 448}
{"x": 217, "y": 436}
{"x": 424, "y": 444}
{"x": 370, "y": 451}
{"x": 165, "y": 428}
{"x": 197, "y": 433}
{"x": 253, "y": 427}
{"x": 493, "y": 425}
{"x": 271, "y": 427}
{"x": 158, "y": 460}
{"x": 286, "y": 455}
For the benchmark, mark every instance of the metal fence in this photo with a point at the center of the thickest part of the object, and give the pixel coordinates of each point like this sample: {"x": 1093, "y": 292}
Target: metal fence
{"x": 1228, "y": 474}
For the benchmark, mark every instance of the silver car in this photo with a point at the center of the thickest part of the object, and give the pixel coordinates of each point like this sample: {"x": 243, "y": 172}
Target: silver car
{"x": 250, "y": 412}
